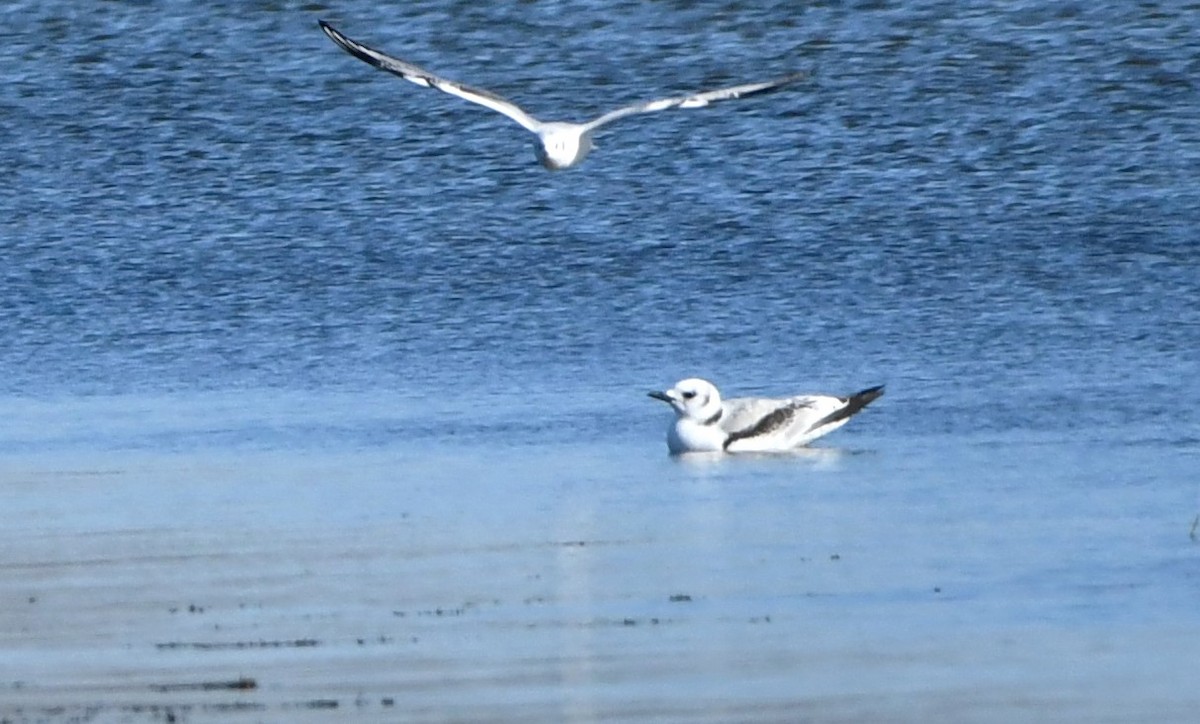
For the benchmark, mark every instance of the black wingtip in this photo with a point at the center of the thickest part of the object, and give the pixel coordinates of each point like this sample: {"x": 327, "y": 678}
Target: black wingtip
{"x": 854, "y": 404}
{"x": 785, "y": 80}
{"x": 333, "y": 33}
{"x": 329, "y": 30}
{"x": 859, "y": 400}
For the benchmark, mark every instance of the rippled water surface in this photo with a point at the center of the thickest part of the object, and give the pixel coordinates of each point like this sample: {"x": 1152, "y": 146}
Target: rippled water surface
{"x": 315, "y": 378}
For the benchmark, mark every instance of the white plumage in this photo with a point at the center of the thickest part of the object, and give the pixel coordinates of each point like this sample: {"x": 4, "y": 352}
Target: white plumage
{"x": 560, "y": 145}
{"x": 706, "y": 423}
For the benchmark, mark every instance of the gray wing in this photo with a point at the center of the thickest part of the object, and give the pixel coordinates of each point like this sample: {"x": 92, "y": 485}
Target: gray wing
{"x": 743, "y": 413}
{"x": 695, "y": 100}
{"x": 422, "y": 77}
{"x": 766, "y": 424}
{"x": 763, "y": 424}
{"x": 767, "y": 418}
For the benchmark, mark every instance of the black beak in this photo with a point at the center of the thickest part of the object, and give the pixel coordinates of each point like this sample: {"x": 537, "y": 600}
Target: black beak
{"x": 661, "y": 396}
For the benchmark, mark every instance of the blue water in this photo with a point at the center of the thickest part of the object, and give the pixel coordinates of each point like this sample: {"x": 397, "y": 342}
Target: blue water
{"x": 237, "y": 260}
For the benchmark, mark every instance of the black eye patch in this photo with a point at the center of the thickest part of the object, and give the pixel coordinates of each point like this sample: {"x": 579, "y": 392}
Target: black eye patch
{"x": 689, "y": 395}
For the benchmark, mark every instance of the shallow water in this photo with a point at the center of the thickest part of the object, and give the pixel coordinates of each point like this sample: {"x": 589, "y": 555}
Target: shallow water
{"x": 314, "y": 378}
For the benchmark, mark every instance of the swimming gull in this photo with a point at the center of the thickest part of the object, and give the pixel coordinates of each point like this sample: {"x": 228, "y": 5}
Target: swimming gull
{"x": 705, "y": 423}
{"x": 560, "y": 145}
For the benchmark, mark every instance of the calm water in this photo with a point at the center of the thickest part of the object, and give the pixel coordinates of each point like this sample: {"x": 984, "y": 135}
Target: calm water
{"x": 249, "y": 283}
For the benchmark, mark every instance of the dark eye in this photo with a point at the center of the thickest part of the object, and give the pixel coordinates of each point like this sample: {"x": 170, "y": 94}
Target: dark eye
{"x": 689, "y": 395}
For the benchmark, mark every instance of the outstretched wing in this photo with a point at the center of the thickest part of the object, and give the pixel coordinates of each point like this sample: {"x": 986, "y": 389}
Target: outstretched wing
{"x": 422, "y": 77}
{"x": 696, "y": 100}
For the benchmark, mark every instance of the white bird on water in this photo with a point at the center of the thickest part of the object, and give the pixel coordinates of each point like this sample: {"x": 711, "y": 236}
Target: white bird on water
{"x": 560, "y": 145}
{"x": 705, "y": 423}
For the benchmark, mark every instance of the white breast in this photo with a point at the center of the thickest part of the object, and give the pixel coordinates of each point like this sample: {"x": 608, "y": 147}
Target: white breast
{"x": 562, "y": 146}
{"x": 687, "y": 435}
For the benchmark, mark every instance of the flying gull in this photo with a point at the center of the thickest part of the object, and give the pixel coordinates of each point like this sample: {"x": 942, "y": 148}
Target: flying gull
{"x": 560, "y": 145}
{"x": 705, "y": 423}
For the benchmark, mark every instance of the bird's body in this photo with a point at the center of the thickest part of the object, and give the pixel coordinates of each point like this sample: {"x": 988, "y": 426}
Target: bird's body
{"x": 560, "y": 145}
{"x": 706, "y": 423}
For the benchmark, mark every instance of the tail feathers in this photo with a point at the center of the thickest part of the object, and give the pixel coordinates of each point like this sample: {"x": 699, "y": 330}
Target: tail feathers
{"x": 854, "y": 403}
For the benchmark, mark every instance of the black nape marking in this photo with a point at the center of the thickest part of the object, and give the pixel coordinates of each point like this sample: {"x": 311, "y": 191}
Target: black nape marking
{"x": 715, "y": 418}
{"x": 854, "y": 403}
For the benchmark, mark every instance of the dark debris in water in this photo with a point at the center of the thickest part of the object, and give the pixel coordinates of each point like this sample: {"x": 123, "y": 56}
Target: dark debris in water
{"x": 227, "y": 645}
{"x": 182, "y": 712}
{"x": 191, "y": 608}
{"x": 243, "y": 683}
{"x": 318, "y": 704}
{"x": 446, "y": 611}
{"x": 628, "y": 621}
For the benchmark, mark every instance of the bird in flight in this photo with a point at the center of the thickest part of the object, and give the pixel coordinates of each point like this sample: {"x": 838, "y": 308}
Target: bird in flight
{"x": 560, "y": 145}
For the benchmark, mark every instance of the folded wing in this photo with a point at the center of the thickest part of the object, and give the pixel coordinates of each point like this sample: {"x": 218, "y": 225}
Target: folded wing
{"x": 757, "y": 424}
